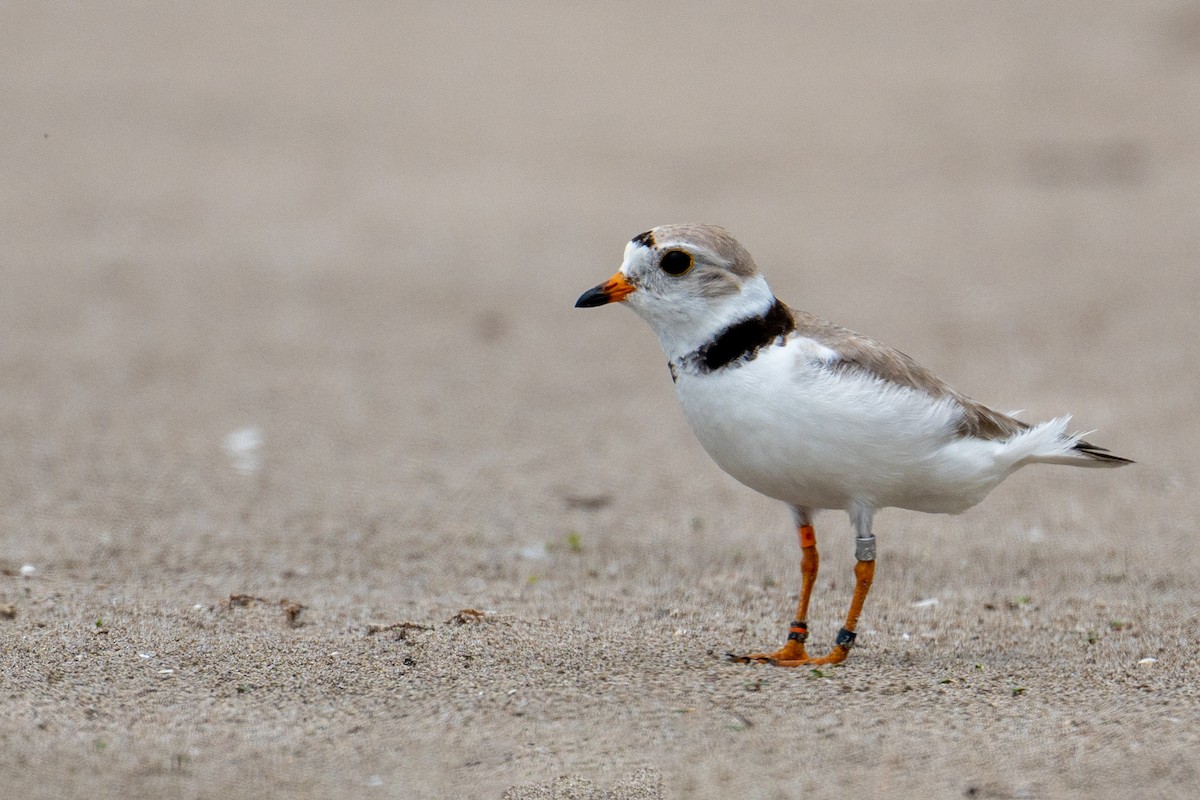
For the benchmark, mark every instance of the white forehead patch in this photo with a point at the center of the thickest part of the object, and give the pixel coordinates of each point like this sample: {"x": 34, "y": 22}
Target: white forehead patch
{"x": 636, "y": 254}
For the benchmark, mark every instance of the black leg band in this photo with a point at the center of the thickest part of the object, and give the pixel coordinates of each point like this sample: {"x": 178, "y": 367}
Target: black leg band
{"x": 845, "y": 638}
{"x": 798, "y": 632}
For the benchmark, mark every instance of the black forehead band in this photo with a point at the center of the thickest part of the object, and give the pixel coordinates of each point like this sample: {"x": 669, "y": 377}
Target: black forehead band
{"x": 646, "y": 239}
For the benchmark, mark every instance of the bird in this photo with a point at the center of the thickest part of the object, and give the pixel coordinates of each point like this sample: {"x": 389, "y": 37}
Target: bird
{"x": 813, "y": 414}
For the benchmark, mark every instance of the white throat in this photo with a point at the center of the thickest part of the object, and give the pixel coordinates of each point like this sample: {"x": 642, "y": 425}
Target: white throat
{"x": 688, "y": 323}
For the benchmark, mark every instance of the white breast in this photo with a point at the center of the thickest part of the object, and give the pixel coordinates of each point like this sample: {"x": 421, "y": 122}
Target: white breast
{"x": 789, "y": 427}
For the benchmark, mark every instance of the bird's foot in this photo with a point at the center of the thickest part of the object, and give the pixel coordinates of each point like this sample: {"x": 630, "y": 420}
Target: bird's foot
{"x": 836, "y": 656}
{"x": 841, "y": 649}
{"x": 790, "y": 655}
{"x": 793, "y": 654}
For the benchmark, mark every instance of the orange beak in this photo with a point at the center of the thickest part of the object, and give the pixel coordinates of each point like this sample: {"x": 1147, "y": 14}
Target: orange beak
{"x": 613, "y": 290}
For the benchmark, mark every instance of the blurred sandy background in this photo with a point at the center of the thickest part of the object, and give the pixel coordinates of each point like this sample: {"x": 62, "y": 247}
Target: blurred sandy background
{"x": 286, "y": 293}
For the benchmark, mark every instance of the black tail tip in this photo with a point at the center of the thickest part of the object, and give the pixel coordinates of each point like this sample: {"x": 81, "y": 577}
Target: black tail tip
{"x": 1100, "y": 454}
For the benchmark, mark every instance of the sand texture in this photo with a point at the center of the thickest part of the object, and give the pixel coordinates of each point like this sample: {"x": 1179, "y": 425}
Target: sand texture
{"x": 314, "y": 484}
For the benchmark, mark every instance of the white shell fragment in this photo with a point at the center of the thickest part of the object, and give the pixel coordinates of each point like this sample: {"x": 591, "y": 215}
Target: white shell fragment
{"x": 243, "y": 448}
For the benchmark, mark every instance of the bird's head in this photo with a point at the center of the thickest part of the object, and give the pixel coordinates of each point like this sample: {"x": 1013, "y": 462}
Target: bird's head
{"x": 688, "y": 282}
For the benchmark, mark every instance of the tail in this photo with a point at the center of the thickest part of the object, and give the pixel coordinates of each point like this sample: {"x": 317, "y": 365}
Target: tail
{"x": 1049, "y": 443}
{"x": 1095, "y": 456}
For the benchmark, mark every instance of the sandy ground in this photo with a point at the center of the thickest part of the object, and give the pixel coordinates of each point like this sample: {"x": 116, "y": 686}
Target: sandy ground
{"x": 290, "y": 377}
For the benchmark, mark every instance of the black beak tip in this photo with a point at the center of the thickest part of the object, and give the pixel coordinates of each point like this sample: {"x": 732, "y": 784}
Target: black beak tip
{"x": 591, "y": 298}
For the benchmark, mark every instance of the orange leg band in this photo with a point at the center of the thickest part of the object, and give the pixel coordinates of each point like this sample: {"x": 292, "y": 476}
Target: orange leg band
{"x": 808, "y": 537}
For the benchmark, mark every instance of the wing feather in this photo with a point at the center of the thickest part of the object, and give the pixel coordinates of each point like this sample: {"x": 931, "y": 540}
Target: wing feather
{"x": 857, "y": 352}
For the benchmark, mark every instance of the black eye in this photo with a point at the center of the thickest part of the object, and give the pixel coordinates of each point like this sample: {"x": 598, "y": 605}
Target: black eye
{"x": 675, "y": 262}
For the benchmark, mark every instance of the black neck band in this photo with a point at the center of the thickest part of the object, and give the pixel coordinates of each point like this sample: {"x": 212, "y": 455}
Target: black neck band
{"x": 741, "y": 341}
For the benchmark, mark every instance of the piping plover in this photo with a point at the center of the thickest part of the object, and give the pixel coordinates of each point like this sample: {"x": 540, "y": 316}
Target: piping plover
{"x": 815, "y": 415}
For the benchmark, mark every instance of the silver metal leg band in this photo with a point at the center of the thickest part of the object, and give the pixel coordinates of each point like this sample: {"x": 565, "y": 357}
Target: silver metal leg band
{"x": 864, "y": 549}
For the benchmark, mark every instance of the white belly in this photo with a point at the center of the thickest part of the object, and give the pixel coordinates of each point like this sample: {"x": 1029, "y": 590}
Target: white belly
{"x": 821, "y": 438}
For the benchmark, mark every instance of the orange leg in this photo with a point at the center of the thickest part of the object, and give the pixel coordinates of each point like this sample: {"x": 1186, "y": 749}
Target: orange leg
{"x": 792, "y": 653}
{"x": 864, "y": 573}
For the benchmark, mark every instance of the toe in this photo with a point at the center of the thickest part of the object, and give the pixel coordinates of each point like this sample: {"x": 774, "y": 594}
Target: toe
{"x": 791, "y": 662}
{"x": 836, "y": 656}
